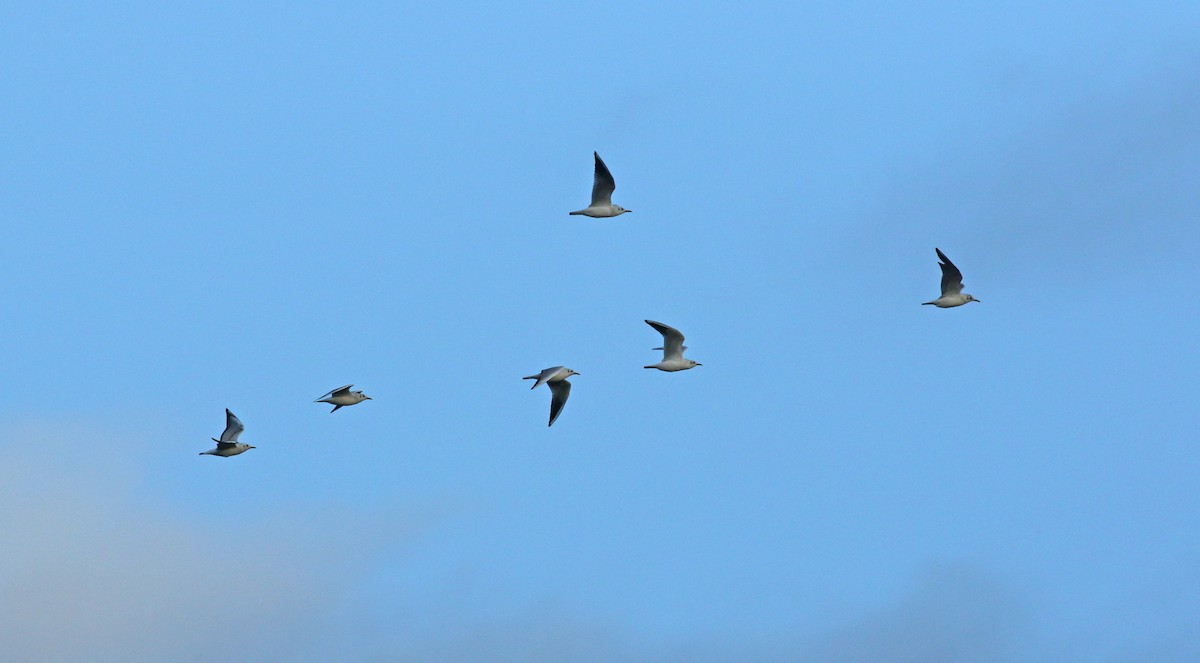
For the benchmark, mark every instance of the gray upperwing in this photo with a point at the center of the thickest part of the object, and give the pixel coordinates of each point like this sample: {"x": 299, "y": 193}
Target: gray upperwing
{"x": 603, "y": 185}
{"x": 233, "y": 428}
{"x": 672, "y": 339}
{"x": 560, "y": 390}
{"x": 340, "y": 391}
{"x": 951, "y": 277}
{"x": 542, "y": 377}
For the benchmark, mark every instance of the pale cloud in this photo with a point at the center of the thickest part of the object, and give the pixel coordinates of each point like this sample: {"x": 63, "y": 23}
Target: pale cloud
{"x": 953, "y": 613}
{"x": 94, "y": 569}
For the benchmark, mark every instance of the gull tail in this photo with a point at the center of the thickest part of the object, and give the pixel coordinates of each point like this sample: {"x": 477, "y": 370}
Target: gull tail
{"x": 531, "y": 377}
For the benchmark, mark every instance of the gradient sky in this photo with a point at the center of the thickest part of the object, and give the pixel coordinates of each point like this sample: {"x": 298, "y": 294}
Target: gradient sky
{"x": 222, "y": 205}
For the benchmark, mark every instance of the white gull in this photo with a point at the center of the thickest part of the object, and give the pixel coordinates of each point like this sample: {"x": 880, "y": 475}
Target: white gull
{"x": 228, "y": 445}
{"x": 554, "y": 377}
{"x": 603, "y": 186}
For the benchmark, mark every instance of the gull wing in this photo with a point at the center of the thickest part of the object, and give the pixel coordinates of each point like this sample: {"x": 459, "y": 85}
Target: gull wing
{"x": 951, "y": 277}
{"x": 233, "y": 428}
{"x": 672, "y": 340}
{"x": 560, "y": 391}
{"x": 340, "y": 391}
{"x": 603, "y": 185}
{"x": 541, "y": 378}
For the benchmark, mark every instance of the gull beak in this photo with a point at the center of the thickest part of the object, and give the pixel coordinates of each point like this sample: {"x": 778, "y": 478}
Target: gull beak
{"x": 253, "y": 447}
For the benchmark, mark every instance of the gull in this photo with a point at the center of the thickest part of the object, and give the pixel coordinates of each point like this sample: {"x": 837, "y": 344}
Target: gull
{"x": 554, "y": 377}
{"x": 602, "y": 190}
{"x": 228, "y": 444}
{"x": 342, "y": 397}
{"x": 672, "y": 348}
{"x": 951, "y": 285}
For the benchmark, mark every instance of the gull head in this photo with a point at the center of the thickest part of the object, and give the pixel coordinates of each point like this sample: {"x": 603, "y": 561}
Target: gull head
{"x": 569, "y": 373}
{"x": 692, "y": 363}
{"x": 971, "y": 299}
{"x": 619, "y": 211}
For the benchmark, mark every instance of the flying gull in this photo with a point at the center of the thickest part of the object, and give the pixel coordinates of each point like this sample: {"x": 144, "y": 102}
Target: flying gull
{"x": 951, "y": 285}
{"x": 555, "y": 378}
{"x": 342, "y": 397}
{"x": 228, "y": 445}
{"x": 602, "y": 190}
{"x": 672, "y": 348}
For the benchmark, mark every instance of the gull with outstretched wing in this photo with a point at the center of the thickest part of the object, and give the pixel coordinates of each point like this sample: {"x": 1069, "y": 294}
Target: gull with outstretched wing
{"x": 228, "y": 445}
{"x": 555, "y": 378}
{"x": 952, "y": 285}
{"x": 603, "y": 186}
{"x": 343, "y": 397}
{"x": 673, "y": 347}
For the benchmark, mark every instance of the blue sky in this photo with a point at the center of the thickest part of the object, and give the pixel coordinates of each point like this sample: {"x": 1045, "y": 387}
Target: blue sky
{"x": 246, "y": 206}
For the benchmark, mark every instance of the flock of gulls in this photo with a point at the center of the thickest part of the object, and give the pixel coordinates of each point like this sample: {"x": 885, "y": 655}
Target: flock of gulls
{"x": 555, "y": 377}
